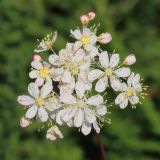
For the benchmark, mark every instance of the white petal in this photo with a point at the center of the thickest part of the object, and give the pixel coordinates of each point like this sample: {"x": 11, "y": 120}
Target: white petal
{"x": 80, "y": 89}
{"x": 114, "y": 60}
{"x": 79, "y": 118}
{"x": 59, "y": 117}
{"x": 94, "y": 74}
{"x": 31, "y": 112}
{"x": 93, "y": 52}
{"x": 115, "y": 83}
{"x": 89, "y": 115}
{"x": 93, "y": 39}
{"x": 76, "y": 33}
{"x": 46, "y": 90}
{"x": 66, "y": 77}
{"x": 86, "y": 31}
{"x": 130, "y": 78}
{"x": 25, "y": 100}
{"x": 102, "y": 84}
{"x": 123, "y": 87}
{"x": 33, "y": 90}
{"x": 51, "y": 137}
{"x": 136, "y": 79}
{"x": 57, "y": 131}
{"x": 133, "y": 99}
{"x": 36, "y": 65}
{"x": 124, "y": 103}
{"x": 86, "y": 128}
{"x": 104, "y": 59}
{"x": 68, "y": 115}
{"x": 96, "y": 127}
{"x": 95, "y": 100}
{"x": 42, "y": 114}
{"x": 33, "y": 74}
{"x": 119, "y": 99}
{"x": 55, "y": 60}
{"x": 101, "y": 110}
{"x": 122, "y": 72}
{"x": 39, "y": 81}
{"x": 79, "y": 55}
{"x": 68, "y": 99}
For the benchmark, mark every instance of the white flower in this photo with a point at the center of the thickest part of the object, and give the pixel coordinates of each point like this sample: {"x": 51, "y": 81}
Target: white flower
{"x": 130, "y": 59}
{"x": 47, "y": 43}
{"x": 42, "y": 72}
{"x": 68, "y": 63}
{"x": 36, "y": 102}
{"x": 84, "y": 112}
{"x": 53, "y": 133}
{"x": 130, "y": 92}
{"x": 110, "y": 71}
{"x": 86, "y": 37}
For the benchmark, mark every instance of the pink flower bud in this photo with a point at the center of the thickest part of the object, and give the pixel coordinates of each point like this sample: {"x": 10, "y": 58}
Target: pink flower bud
{"x": 36, "y": 57}
{"x": 91, "y": 15}
{"x": 130, "y": 59}
{"x": 84, "y": 19}
{"x": 24, "y": 122}
{"x": 105, "y": 38}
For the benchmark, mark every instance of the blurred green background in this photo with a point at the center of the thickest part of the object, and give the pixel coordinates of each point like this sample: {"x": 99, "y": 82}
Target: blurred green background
{"x": 135, "y": 27}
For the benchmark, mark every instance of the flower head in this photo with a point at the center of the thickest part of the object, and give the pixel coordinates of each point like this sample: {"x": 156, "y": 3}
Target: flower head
{"x": 46, "y": 43}
{"x": 130, "y": 92}
{"x": 109, "y": 71}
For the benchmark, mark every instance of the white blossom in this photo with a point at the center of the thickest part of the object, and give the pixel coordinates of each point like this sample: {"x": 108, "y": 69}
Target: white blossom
{"x": 84, "y": 112}
{"x": 69, "y": 62}
{"x": 36, "y": 102}
{"x": 130, "y": 92}
{"x": 86, "y": 38}
{"x": 109, "y": 71}
{"x": 46, "y": 43}
{"x": 53, "y": 133}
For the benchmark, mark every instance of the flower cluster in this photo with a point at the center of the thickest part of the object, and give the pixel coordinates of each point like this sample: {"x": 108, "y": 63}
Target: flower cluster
{"x": 62, "y": 92}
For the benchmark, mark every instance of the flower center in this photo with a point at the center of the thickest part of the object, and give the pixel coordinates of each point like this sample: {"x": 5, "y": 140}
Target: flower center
{"x": 81, "y": 104}
{"x": 43, "y": 72}
{"x": 130, "y": 91}
{"x": 85, "y": 40}
{"x": 74, "y": 71}
{"x": 69, "y": 65}
{"x": 39, "y": 101}
{"x": 81, "y": 62}
{"x": 48, "y": 44}
{"x": 108, "y": 72}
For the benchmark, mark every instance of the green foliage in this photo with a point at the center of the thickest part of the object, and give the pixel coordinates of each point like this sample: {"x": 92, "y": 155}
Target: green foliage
{"x": 135, "y": 26}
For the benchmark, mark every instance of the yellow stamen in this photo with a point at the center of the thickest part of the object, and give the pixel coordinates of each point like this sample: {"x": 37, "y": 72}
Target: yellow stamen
{"x": 49, "y": 44}
{"x": 43, "y": 72}
{"x": 39, "y": 101}
{"x": 85, "y": 40}
{"x": 81, "y": 104}
{"x": 130, "y": 91}
{"x": 108, "y": 72}
{"x": 74, "y": 71}
{"x": 81, "y": 62}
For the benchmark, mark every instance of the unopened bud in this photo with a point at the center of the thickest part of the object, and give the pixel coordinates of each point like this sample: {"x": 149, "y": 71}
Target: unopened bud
{"x": 105, "y": 38}
{"x": 130, "y": 59}
{"x": 84, "y": 19}
{"x": 36, "y": 57}
{"x": 91, "y": 15}
{"x": 24, "y": 122}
